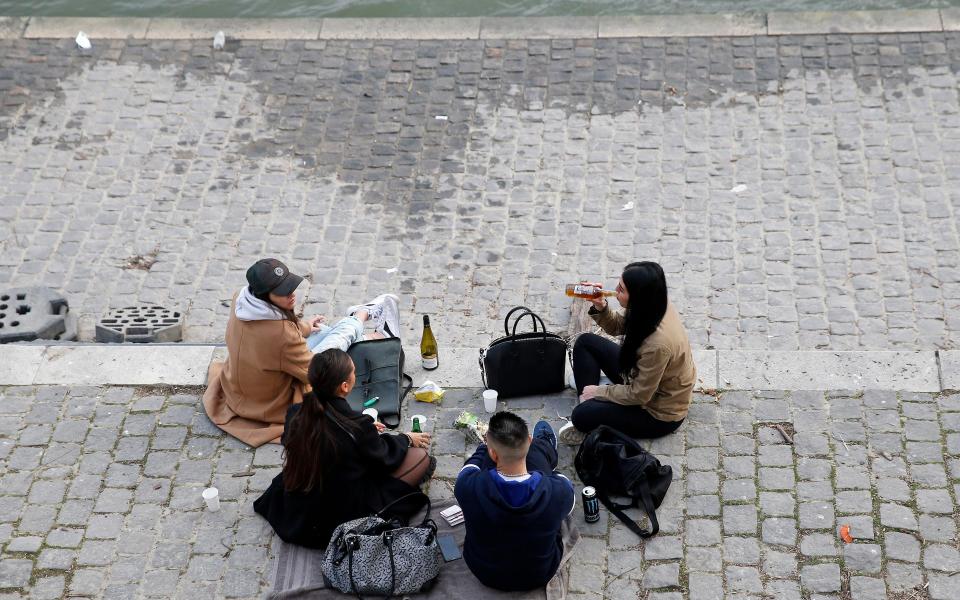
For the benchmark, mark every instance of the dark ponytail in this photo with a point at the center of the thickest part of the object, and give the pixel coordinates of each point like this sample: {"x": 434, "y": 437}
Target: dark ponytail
{"x": 309, "y": 443}
{"x": 647, "y": 288}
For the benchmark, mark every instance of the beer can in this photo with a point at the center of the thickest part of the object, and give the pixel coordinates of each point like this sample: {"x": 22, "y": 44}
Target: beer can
{"x": 591, "y": 505}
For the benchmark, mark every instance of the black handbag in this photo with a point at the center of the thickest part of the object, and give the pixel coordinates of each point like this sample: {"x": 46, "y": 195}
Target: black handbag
{"x": 379, "y": 371}
{"x": 616, "y": 465}
{"x": 524, "y": 364}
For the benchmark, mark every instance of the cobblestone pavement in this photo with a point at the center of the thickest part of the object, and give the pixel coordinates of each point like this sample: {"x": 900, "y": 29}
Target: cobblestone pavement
{"x": 799, "y": 190}
{"x": 100, "y": 497}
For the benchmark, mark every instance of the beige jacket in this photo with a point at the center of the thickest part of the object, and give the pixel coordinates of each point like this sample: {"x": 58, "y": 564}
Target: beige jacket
{"x": 265, "y": 372}
{"x": 665, "y": 369}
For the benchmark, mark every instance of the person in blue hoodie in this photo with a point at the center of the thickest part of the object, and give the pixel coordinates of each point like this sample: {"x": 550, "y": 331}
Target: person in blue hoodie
{"x": 513, "y": 505}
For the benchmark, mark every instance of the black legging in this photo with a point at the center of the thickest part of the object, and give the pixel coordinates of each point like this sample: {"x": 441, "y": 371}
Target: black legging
{"x": 591, "y": 355}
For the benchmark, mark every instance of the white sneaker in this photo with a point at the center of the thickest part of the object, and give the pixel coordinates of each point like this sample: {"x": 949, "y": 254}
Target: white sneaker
{"x": 570, "y": 435}
{"x": 374, "y": 308}
{"x": 389, "y": 322}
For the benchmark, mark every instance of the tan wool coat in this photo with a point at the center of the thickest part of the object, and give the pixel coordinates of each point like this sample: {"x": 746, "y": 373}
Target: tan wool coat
{"x": 665, "y": 371}
{"x": 266, "y": 371}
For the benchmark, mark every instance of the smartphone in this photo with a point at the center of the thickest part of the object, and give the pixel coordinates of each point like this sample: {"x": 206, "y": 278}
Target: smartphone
{"x": 448, "y": 546}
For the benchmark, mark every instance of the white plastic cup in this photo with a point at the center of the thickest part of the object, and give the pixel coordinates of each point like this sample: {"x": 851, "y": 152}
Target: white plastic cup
{"x": 423, "y": 422}
{"x": 372, "y": 412}
{"x": 211, "y": 496}
{"x": 490, "y": 400}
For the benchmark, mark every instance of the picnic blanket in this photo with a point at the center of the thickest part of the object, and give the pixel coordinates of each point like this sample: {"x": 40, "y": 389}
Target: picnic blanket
{"x": 297, "y": 571}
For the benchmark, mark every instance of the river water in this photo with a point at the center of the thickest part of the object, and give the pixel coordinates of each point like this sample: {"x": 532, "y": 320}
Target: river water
{"x": 431, "y": 8}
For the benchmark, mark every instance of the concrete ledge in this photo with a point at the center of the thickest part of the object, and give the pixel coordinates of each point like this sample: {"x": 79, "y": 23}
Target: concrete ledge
{"x": 530, "y": 28}
{"x": 237, "y": 29}
{"x": 11, "y": 28}
{"x": 94, "y": 27}
{"x": 124, "y": 365}
{"x": 682, "y": 25}
{"x": 950, "y": 369}
{"x": 706, "y": 25}
{"x": 825, "y": 370}
{"x": 19, "y": 364}
{"x": 950, "y": 19}
{"x": 401, "y": 29}
{"x": 861, "y": 21}
{"x": 176, "y": 364}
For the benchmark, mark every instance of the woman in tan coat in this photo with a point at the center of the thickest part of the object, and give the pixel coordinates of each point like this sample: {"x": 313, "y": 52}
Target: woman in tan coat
{"x": 266, "y": 370}
{"x": 652, "y": 371}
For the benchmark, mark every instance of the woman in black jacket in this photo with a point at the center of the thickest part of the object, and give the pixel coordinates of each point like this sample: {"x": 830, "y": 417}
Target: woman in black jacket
{"x": 337, "y": 465}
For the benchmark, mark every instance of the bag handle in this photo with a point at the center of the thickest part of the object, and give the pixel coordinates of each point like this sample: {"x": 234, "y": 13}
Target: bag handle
{"x": 617, "y": 509}
{"x": 533, "y": 316}
{"x": 483, "y": 369}
{"x": 426, "y": 498}
{"x": 506, "y": 320}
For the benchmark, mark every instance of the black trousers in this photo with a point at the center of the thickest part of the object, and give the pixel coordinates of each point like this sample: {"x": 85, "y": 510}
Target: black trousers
{"x": 592, "y": 355}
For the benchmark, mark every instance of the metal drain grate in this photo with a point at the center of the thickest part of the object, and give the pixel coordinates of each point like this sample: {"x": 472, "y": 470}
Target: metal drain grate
{"x": 141, "y": 324}
{"x": 35, "y": 313}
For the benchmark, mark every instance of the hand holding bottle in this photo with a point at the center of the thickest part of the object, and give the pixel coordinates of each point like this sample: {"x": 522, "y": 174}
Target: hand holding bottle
{"x": 599, "y": 303}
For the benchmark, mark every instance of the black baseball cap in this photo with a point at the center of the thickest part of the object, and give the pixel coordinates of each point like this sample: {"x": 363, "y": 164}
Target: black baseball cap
{"x": 271, "y": 275}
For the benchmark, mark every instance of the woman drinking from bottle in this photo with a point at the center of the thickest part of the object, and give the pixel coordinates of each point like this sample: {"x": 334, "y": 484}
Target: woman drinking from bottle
{"x": 651, "y": 371}
{"x": 337, "y": 466}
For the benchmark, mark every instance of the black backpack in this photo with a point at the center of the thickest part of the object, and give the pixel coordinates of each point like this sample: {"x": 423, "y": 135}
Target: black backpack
{"x": 379, "y": 365}
{"x": 616, "y": 465}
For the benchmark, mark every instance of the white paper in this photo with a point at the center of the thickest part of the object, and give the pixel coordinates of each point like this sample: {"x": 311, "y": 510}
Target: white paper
{"x": 738, "y": 188}
{"x": 627, "y": 206}
{"x": 83, "y": 41}
{"x": 441, "y": 117}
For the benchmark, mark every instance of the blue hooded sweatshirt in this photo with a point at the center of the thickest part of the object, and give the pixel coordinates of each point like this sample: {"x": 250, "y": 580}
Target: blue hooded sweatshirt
{"x": 507, "y": 547}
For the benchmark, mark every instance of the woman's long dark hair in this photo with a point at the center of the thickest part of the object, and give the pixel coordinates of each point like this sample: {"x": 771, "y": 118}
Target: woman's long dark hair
{"x": 287, "y": 314}
{"x": 647, "y": 288}
{"x": 309, "y": 443}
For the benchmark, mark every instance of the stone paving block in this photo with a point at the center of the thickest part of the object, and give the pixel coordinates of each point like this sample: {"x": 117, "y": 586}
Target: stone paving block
{"x": 779, "y": 531}
{"x": 661, "y": 576}
{"x": 862, "y": 557}
{"x": 706, "y": 586}
{"x": 15, "y": 573}
{"x": 821, "y": 578}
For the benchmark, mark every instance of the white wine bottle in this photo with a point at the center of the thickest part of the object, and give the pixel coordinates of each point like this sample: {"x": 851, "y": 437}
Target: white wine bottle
{"x": 428, "y": 347}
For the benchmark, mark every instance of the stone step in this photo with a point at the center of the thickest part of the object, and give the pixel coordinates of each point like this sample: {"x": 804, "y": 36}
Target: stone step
{"x": 186, "y": 364}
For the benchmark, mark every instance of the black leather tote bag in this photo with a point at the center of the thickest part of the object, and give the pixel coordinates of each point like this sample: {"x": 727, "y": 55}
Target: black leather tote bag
{"x": 524, "y": 364}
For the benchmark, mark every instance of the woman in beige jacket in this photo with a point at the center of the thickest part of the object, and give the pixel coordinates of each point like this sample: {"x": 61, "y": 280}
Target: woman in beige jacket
{"x": 652, "y": 371}
{"x": 269, "y": 352}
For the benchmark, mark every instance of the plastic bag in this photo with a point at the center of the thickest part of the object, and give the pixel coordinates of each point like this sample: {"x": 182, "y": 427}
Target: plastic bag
{"x": 429, "y": 392}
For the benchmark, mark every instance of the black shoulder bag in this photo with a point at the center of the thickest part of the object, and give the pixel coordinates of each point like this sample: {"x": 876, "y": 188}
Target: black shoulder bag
{"x": 524, "y": 364}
